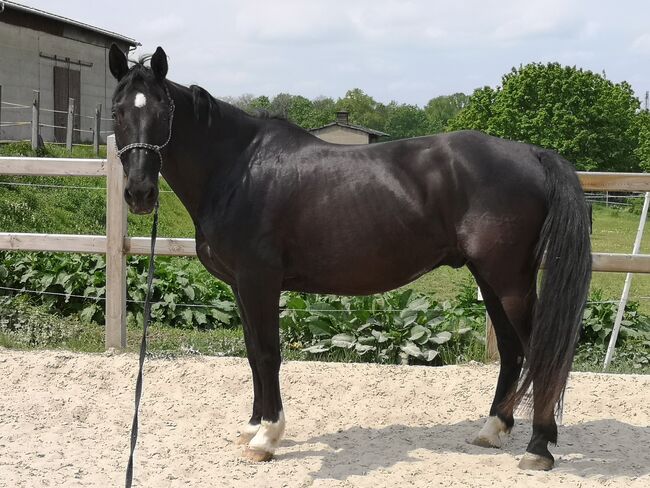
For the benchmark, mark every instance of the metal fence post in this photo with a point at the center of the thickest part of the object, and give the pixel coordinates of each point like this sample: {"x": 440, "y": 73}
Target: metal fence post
{"x": 69, "y": 125}
{"x": 626, "y": 286}
{"x": 36, "y": 119}
{"x": 116, "y": 231}
{"x": 98, "y": 121}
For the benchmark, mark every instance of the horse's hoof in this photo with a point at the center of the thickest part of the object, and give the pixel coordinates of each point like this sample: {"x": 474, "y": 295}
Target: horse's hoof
{"x": 490, "y": 442}
{"x": 536, "y": 462}
{"x": 257, "y": 456}
{"x": 489, "y": 436}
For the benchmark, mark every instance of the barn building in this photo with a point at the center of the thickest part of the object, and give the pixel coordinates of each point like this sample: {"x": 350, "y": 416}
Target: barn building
{"x": 63, "y": 59}
{"x": 342, "y": 132}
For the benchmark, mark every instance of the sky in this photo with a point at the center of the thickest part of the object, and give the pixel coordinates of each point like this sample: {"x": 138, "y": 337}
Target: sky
{"x": 406, "y": 51}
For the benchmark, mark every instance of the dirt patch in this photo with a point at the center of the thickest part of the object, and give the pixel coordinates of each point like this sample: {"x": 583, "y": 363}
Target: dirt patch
{"x": 65, "y": 420}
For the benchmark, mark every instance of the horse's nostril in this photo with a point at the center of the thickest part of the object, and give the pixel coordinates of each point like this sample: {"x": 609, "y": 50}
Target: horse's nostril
{"x": 127, "y": 194}
{"x": 150, "y": 194}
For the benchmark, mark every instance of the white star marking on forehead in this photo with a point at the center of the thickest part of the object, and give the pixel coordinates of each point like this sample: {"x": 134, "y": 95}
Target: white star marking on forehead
{"x": 140, "y": 100}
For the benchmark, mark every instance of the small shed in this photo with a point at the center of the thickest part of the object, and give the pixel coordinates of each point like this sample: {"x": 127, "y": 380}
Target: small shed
{"x": 342, "y": 132}
{"x": 62, "y": 59}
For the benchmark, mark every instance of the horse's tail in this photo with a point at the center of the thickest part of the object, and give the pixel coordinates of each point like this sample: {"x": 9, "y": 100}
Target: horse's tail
{"x": 557, "y": 319}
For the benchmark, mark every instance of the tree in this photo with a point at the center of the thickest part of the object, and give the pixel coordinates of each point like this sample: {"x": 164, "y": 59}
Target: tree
{"x": 364, "y": 110}
{"x": 477, "y": 113}
{"x": 585, "y": 117}
{"x": 324, "y": 111}
{"x": 405, "y": 121}
{"x": 440, "y": 110}
{"x": 643, "y": 148}
{"x": 260, "y": 103}
{"x": 281, "y": 104}
{"x": 301, "y": 112}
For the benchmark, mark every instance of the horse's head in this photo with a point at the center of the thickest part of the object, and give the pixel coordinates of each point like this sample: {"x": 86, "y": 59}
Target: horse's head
{"x": 143, "y": 114}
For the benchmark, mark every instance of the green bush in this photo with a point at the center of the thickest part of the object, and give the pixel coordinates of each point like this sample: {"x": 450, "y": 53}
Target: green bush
{"x": 402, "y": 326}
{"x": 73, "y": 276}
{"x": 25, "y": 325}
{"x": 396, "y": 327}
{"x": 599, "y": 319}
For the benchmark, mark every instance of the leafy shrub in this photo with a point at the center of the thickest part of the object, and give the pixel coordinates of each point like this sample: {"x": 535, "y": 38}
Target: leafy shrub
{"x": 630, "y": 356}
{"x": 599, "y": 319}
{"x": 30, "y": 326}
{"x": 396, "y": 327}
{"x": 77, "y": 275}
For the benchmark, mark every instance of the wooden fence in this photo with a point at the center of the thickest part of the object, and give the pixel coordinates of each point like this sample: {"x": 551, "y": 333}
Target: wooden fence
{"x": 70, "y": 115}
{"x": 116, "y": 245}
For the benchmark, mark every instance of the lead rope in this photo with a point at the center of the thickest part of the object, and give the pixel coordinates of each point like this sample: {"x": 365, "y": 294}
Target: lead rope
{"x": 143, "y": 347}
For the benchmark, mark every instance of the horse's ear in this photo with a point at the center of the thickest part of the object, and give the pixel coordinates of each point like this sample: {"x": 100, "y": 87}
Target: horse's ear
{"x": 159, "y": 63}
{"x": 117, "y": 62}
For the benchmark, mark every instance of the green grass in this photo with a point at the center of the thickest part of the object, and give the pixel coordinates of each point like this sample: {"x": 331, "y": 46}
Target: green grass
{"x": 75, "y": 211}
{"x": 24, "y": 149}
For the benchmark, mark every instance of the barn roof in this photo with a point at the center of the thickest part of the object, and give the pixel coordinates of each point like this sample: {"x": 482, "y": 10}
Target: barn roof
{"x": 59, "y": 18}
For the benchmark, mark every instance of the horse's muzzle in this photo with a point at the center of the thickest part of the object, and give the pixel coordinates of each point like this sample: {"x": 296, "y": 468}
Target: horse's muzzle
{"x": 141, "y": 199}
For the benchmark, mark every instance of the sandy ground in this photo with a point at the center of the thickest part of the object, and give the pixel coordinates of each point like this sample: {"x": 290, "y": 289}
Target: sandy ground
{"x": 65, "y": 419}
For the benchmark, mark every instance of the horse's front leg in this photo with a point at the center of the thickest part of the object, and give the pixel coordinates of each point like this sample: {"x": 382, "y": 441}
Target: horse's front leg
{"x": 258, "y": 300}
{"x": 248, "y": 430}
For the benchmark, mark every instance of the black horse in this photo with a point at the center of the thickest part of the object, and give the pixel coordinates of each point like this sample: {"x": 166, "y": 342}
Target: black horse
{"x": 277, "y": 209}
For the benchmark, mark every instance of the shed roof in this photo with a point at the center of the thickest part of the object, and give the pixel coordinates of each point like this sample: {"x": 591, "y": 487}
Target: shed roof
{"x": 353, "y": 127}
{"x": 59, "y": 18}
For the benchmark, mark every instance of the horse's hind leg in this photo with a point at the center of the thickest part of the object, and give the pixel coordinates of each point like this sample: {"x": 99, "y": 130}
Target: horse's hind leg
{"x": 537, "y": 455}
{"x": 511, "y": 313}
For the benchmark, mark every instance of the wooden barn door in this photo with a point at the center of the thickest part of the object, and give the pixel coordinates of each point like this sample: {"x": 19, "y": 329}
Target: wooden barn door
{"x": 67, "y": 84}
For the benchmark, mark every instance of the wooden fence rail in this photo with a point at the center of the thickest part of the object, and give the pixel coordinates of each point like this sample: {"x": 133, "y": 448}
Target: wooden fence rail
{"x": 116, "y": 245}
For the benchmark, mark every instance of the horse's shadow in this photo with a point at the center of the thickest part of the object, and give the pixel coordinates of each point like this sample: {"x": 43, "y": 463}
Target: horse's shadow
{"x": 606, "y": 448}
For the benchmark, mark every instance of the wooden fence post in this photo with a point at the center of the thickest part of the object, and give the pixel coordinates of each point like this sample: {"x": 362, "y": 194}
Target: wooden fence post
{"x": 491, "y": 349}
{"x": 116, "y": 230}
{"x": 98, "y": 122}
{"x": 69, "y": 125}
{"x": 0, "y": 111}
{"x": 36, "y": 119}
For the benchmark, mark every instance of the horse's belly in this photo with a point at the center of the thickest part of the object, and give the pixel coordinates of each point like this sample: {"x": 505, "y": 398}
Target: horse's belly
{"x": 367, "y": 269}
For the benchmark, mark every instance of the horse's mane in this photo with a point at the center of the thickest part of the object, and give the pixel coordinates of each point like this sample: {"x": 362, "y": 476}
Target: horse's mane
{"x": 202, "y": 101}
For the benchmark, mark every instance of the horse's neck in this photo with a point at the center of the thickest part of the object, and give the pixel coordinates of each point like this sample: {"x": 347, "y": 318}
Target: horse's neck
{"x": 200, "y": 154}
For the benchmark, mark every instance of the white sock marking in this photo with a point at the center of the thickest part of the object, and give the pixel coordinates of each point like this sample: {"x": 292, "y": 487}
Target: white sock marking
{"x": 269, "y": 435}
{"x": 491, "y": 430}
{"x": 140, "y": 100}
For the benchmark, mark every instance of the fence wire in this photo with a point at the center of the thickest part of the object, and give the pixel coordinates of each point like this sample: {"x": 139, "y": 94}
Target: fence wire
{"x": 53, "y": 111}
{"x": 203, "y": 305}
{"x": 18, "y": 105}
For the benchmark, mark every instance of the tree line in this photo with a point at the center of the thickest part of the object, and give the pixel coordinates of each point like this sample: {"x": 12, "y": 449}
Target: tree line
{"x": 593, "y": 122}
{"x": 397, "y": 120}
